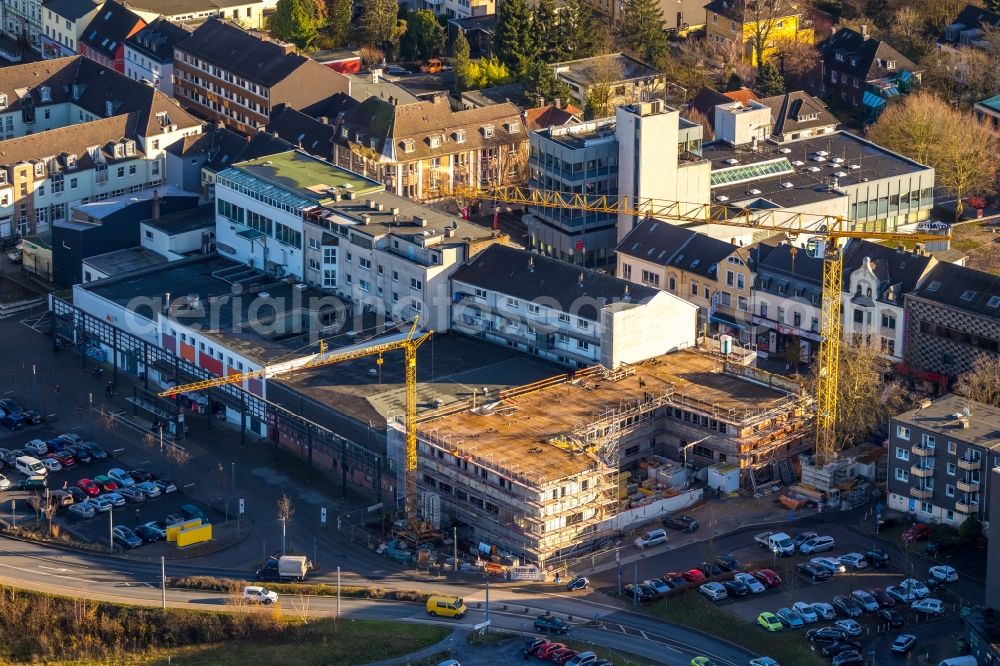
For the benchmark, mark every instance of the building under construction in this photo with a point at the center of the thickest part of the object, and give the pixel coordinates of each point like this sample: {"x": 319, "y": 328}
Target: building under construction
{"x": 540, "y": 470}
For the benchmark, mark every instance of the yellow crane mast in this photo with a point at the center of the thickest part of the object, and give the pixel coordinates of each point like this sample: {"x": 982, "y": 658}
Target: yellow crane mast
{"x": 828, "y": 229}
{"x": 409, "y": 344}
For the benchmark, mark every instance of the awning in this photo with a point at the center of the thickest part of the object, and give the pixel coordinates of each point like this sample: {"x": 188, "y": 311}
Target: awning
{"x": 891, "y": 91}
{"x": 872, "y": 100}
{"x": 728, "y": 320}
{"x": 250, "y": 234}
{"x": 905, "y": 76}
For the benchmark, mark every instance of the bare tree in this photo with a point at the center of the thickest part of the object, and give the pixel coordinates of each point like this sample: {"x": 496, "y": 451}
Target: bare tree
{"x": 696, "y": 116}
{"x": 764, "y": 16}
{"x": 982, "y": 382}
{"x": 285, "y": 512}
{"x": 799, "y": 61}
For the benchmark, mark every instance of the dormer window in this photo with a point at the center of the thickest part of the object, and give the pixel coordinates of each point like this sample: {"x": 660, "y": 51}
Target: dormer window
{"x": 45, "y": 94}
{"x": 373, "y": 143}
{"x": 840, "y": 57}
{"x": 408, "y": 145}
{"x": 3, "y": 100}
{"x": 130, "y": 148}
{"x": 109, "y": 108}
{"x": 514, "y": 127}
{"x": 39, "y": 169}
{"x": 119, "y": 150}
{"x": 459, "y": 136}
{"x": 345, "y": 133}
{"x": 488, "y": 131}
{"x": 434, "y": 141}
{"x": 71, "y": 161}
{"x": 891, "y": 64}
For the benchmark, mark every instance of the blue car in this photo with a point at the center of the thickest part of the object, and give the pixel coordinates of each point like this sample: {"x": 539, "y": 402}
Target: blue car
{"x": 13, "y": 421}
{"x": 56, "y": 445}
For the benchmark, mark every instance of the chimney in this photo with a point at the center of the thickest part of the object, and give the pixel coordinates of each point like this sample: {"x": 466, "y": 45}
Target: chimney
{"x": 156, "y": 204}
{"x": 420, "y": 221}
{"x": 864, "y": 31}
{"x": 557, "y": 103}
{"x": 376, "y": 73}
{"x": 531, "y": 264}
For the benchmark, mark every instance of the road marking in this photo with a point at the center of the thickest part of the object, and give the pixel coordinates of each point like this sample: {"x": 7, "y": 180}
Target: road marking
{"x": 73, "y": 578}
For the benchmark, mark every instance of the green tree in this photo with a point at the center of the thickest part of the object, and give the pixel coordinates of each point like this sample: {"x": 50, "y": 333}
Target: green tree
{"x": 579, "y": 33}
{"x": 488, "y": 72}
{"x": 339, "y": 14}
{"x": 295, "y": 21}
{"x": 515, "y": 44}
{"x": 734, "y": 82}
{"x": 993, "y": 5}
{"x": 541, "y": 81}
{"x": 970, "y": 529}
{"x": 548, "y": 35}
{"x": 378, "y": 20}
{"x": 640, "y": 31}
{"x": 769, "y": 81}
{"x": 424, "y": 36}
{"x": 460, "y": 49}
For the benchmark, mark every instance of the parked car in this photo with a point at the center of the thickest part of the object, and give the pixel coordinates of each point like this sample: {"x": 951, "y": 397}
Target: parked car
{"x": 65, "y": 458}
{"x": 754, "y": 585}
{"x": 847, "y": 606}
{"x": 735, "y": 588}
{"x": 825, "y": 611}
{"x": 928, "y": 606}
{"x": 32, "y": 483}
{"x": 13, "y": 421}
{"x": 106, "y": 483}
{"x": 681, "y": 523}
{"x": 763, "y": 661}
{"x": 166, "y": 486}
{"x": 140, "y": 475}
{"x": 711, "y": 569}
{"x": 661, "y": 586}
{"x": 121, "y": 476}
{"x": 546, "y": 650}
{"x": 7, "y": 457}
{"x": 868, "y": 603}
{"x": 903, "y": 643}
{"x": 769, "y": 577}
{"x": 97, "y": 452}
{"x": 813, "y": 571}
{"x": 62, "y": 497}
{"x": 78, "y": 494}
{"x": 396, "y": 70}
{"x": 80, "y": 452}
{"x": 848, "y": 658}
{"x": 883, "y": 599}
{"x": 147, "y": 534}
{"x": 877, "y": 558}
{"x": 83, "y": 510}
{"x": 769, "y": 621}
{"x": 834, "y": 565}
{"x": 10, "y": 407}
{"x": 918, "y": 588}
{"x": 808, "y": 613}
{"x": 714, "y": 591}
{"x": 817, "y": 544}
{"x": 531, "y": 646}
{"x": 937, "y": 547}
{"x": 854, "y": 561}
{"x": 157, "y": 527}
{"x": 562, "y": 656}
{"x": 674, "y": 578}
{"x": 4, "y": 482}
{"x": 578, "y": 583}
{"x": 102, "y": 503}
{"x": 891, "y": 618}
{"x": 901, "y": 594}
{"x": 943, "y": 573}
{"x": 31, "y": 416}
{"x": 790, "y": 617}
{"x": 126, "y": 537}
{"x": 115, "y": 499}
{"x": 583, "y": 659}
{"x": 259, "y": 595}
{"x": 133, "y": 495}
{"x": 89, "y": 486}
{"x": 728, "y": 563}
{"x": 850, "y": 627}
{"x": 51, "y": 464}
{"x": 919, "y": 532}
{"x": 694, "y": 576}
{"x": 825, "y": 635}
{"x": 149, "y": 489}
{"x": 835, "y": 648}
{"x": 37, "y": 447}
{"x": 191, "y": 512}
{"x": 639, "y": 592}
{"x": 802, "y": 537}
{"x": 650, "y": 539}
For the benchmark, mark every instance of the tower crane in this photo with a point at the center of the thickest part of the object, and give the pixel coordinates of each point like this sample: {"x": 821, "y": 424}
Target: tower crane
{"x": 408, "y": 342}
{"x": 829, "y": 230}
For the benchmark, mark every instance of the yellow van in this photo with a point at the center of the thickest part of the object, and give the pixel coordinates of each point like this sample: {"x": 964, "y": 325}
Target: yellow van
{"x": 446, "y": 606}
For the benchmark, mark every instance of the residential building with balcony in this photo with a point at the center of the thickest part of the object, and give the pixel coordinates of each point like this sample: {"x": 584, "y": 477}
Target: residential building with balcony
{"x": 63, "y": 22}
{"x": 736, "y": 21}
{"x": 103, "y": 40}
{"x": 704, "y": 271}
{"x": 225, "y": 74}
{"x": 865, "y": 72}
{"x": 876, "y": 279}
{"x": 952, "y": 320}
{"x": 614, "y": 78}
{"x": 425, "y": 150}
{"x": 940, "y": 455}
{"x": 574, "y": 158}
{"x": 149, "y": 54}
{"x": 555, "y": 310}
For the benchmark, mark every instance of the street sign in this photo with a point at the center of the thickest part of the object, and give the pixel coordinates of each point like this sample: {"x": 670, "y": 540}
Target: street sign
{"x": 322, "y": 515}
{"x": 481, "y": 625}
{"x": 241, "y": 506}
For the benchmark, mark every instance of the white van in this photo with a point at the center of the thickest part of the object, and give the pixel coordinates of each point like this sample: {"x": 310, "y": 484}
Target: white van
{"x": 651, "y": 538}
{"x": 30, "y": 466}
{"x": 967, "y": 660}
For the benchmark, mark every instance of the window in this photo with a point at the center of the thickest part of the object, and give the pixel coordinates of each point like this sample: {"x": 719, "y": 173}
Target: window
{"x": 888, "y": 321}
{"x": 533, "y": 308}
{"x": 902, "y": 454}
{"x": 671, "y": 283}
{"x": 365, "y": 263}
{"x": 512, "y": 303}
{"x": 927, "y": 441}
{"x": 902, "y": 474}
{"x": 582, "y": 345}
{"x": 951, "y": 469}
{"x": 626, "y": 271}
{"x": 925, "y": 507}
{"x": 743, "y": 303}
{"x": 313, "y": 243}
{"x": 287, "y": 235}
{"x": 694, "y": 288}
{"x": 582, "y": 323}
{"x": 949, "y": 491}
{"x": 952, "y": 448}
{"x": 416, "y": 284}
{"x": 903, "y": 433}
{"x": 649, "y": 278}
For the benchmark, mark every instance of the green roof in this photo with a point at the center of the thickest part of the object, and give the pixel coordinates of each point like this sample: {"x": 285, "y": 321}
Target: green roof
{"x": 306, "y": 176}
{"x": 993, "y": 103}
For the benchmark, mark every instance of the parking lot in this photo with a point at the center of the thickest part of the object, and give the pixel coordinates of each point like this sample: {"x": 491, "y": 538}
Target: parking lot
{"x": 127, "y": 511}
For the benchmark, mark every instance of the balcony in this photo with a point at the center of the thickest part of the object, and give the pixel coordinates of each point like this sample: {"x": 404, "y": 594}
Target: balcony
{"x": 922, "y": 471}
{"x": 962, "y": 507}
{"x": 969, "y": 465}
{"x": 922, "y": 451}
{"x": 967, "y": 486}
{"x": 919, "y": 494}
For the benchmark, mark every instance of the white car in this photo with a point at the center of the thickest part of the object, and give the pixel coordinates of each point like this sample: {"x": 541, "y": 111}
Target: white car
{"x": 714, "y": 591}
{"x": 866, "y": 600}
{"x": 36, "y": 447}
{"x": 808, "y": 613}
{"x": 51, "y": 464}
{"x": 916, "y": 588}
{"x": 832, "y": 564}
{"x": 825, "y": 611}
{"x": 854, "y": 561}
{"x": 101, "y": 503}
{"x": 817, "y": 545}
{"x": 928, "y": 606}
{"x": 754, "y": 585}
{"x": 850, "y": 627}
{"x": 121, "y": 477}
{"x": 115, "y": 499}
{"x": 4, "y": 482}
{"x": 259, "y": 595}
{"x": 943, "y": 573}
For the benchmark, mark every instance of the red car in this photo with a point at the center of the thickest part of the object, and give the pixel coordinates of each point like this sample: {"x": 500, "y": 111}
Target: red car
{"x": 674, "y": 578}
{"x": 919, "y": 532}
{"x": 768, "y": 577}
{"x": 89, "y": 487}
{"x": 546, "y": 651}
{"x": 563, "y": 655}
{"x": 65, "y": 458}
{"x": 883, "y": 599}
{"x": 694, "y": 576}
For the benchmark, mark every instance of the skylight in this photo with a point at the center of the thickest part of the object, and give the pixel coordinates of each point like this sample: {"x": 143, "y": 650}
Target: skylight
{"x": 968, "y": 295}
{"x": 749, "y": 172}
{"x": 934, "y": 286}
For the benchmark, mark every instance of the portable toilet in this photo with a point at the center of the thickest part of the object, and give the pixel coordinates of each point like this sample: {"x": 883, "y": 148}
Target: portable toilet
{"x": 726, "y": 344}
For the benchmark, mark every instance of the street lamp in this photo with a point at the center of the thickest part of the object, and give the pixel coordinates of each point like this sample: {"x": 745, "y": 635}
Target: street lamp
{"x": 684, "y": 450}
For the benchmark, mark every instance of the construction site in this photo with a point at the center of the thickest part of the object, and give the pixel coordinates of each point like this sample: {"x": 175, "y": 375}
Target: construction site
{"x": 564, "y": 464}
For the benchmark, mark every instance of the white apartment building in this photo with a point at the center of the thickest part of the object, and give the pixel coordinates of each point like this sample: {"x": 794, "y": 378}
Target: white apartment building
{"x": 149, "y": 54}
{"x": 63, "y": 23}
{"x": 555, "y": 310}
{"x": 22, "y": 21}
